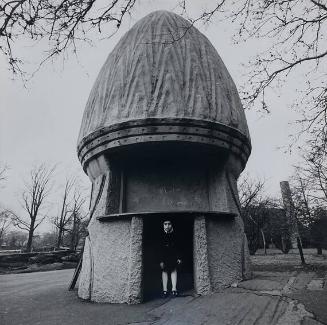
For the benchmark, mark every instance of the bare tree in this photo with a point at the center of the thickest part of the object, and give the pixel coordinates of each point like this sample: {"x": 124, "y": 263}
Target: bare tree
{"x": 252, "y": 202}
{"x": 77, "y": 218}
{"x": 70, "y": 217}
{"x": 5, "y": 223}
{"x": 311, "y": 179}
{"x": 317, "y": 171}
{"x": 318, "y": 229}
{"x": 310, "y": 196}
{"x": 250, "y": 191}
{"x": 301, "y": 194}
{"x": 5, "y": 219}
{"x": 264, "y": 219}
{"x": 33, "y": 200}
{"x": 62, "y": 220}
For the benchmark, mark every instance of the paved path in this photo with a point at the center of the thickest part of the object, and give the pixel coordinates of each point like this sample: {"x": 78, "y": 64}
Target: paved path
{"x": 42, "y": 298}
{"x": 308, "y": 288}
{"x": 279, "y": 298}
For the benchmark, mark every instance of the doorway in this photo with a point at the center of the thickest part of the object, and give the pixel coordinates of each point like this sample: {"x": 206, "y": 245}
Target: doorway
{"x": 152, "y": 232}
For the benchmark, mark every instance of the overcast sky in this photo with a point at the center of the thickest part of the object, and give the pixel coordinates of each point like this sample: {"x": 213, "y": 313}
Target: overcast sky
{"x": 40, "y": 123}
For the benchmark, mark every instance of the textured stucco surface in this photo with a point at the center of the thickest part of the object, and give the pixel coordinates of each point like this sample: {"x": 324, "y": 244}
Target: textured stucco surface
{"x": 200, "y": 253}
{"x": 112, "y": 258}
{"x": 149, "y": 75}
{"x": 84, "y": 278}
{"x": 224, "y": 252}
{"x": 110, "y": 249}
{"x": 227, "y": 252}
{"x": 86, "y": 275}
{"x": 106, "y": 267}
{"x": 135, "y": 263}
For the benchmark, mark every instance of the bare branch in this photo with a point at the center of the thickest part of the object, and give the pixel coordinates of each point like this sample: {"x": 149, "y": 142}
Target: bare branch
{"x": 3, "y": 173}
{"x": 5, "y": 223}
{"x": 36, "y": 190}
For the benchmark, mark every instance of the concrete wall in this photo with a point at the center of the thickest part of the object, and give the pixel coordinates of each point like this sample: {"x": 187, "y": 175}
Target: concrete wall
{"x": 224, "y": 252}
{"x": 221, "y": 255}
{"x": 112, "y": 259}
{"x": 166, "y": 187}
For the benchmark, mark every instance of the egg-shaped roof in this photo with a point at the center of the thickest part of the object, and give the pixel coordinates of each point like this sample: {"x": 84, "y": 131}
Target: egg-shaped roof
{"x": 162, "y": 69}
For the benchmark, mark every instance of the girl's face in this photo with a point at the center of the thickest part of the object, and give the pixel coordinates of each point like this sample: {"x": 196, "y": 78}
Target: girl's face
{"x": 167, "y": 226}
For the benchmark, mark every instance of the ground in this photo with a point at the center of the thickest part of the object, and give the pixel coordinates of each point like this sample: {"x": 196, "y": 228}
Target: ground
{"x": 281, "y": 292}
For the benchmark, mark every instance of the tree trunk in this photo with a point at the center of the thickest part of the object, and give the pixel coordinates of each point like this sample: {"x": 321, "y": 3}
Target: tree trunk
{"x": 30, "y": 238}
{"x": 73, "y": 237}
{"x": 283, "y": 245}
{"x": 264, "y": 241}
{"x": 59, "y": 238}
{"x": 72, "y": 241}
{"x": 1, "y": 232}
{"x": 299, "y": 246}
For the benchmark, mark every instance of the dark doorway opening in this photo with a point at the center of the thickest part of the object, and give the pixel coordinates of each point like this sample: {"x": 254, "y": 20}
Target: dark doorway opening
{"x": 153, "y": 228}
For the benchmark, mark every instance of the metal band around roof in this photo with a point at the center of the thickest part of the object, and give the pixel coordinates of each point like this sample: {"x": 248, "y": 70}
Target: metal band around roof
{"x": 163, "y": 130}
{"x": 149, "y": 214}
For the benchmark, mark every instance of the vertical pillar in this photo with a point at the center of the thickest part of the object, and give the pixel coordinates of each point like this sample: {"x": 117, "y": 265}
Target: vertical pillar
{"x": 135, "y": 262}
{"x": 200, "y": 255}
{"x": 289, "y": 210}
{"x": 290, "y": 216}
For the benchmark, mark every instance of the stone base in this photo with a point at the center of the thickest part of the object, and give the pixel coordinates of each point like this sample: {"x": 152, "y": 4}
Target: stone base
{"x": 112, "y": 262}
{"x": 220, "y": 254}
{"x": 114, "y": 274}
